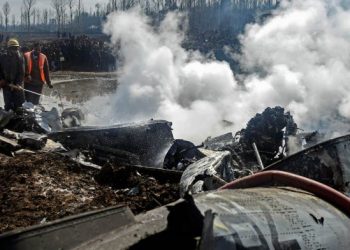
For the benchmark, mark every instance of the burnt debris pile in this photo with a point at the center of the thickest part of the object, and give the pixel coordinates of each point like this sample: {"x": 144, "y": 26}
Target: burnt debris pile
{"x": 267, "y": 131}
{"x": 225, "y": 158}
{"x": 52, "y": 167}
{"x": 48, "y": 172}
{"x": 42, "y": 187}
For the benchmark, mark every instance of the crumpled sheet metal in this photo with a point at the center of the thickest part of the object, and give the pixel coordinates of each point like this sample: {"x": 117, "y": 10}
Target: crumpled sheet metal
{"x": 327, "y": 162}
{"x": 5, "y": 117}
{"x": 149, "y": 140}
{"x": 72, "y": 117}
{"x": 32, "y": 140}
{"x": 274, "y": 218}
{"x": 219, "y": 142}
{"x": 198, "y": 176}
{"x": 29, "y": 140}
{"x": 181, "y": 154}
{"x": 49, "y": 121}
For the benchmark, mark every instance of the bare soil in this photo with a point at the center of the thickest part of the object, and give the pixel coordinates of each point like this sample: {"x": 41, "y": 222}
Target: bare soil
{"x": 36, "y": 188}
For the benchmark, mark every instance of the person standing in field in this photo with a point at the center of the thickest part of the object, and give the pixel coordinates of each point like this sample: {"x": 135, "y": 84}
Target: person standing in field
{"x": 37, "y": 74}
{"x": 12, "y": 69}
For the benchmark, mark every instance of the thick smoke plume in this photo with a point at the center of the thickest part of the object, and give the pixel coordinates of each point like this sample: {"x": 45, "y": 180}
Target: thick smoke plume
{"x": 160, "y": 80}
{"x": 299, "y": 59}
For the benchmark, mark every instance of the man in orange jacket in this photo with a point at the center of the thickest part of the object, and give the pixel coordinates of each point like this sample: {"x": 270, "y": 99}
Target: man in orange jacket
{"x": 37, "y": 74}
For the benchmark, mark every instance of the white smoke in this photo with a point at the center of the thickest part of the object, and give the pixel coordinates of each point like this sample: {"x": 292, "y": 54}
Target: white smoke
{"x": 160, "y": 80}
{"x": 298, "y": 59}
{"x": 310, "y": 42}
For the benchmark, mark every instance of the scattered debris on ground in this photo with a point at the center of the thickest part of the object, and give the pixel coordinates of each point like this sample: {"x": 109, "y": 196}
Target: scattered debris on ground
{"x": 226, "y": 158}
{"x": 41, "y": 187}
{"x": 48, "y": 171}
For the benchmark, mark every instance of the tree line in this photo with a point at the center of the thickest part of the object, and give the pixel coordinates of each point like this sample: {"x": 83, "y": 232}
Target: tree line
{"x": 185, "y": 5}
{"x": 73, "y": 16}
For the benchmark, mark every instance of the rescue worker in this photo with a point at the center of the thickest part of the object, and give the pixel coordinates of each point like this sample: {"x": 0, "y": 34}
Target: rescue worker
{"x": 36, "y": 75}
{"x": 12, "y": 69}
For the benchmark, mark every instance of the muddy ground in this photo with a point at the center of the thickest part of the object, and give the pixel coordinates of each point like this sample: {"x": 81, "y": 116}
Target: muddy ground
{"x": 37, "y": 188}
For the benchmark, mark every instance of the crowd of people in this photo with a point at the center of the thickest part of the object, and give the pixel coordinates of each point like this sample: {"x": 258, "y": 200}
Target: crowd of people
{"x": 73, "y": 53}
{"x": 83, "y": 53}
{"x": 24, "y": 68}
{"x": 80, "y": 53}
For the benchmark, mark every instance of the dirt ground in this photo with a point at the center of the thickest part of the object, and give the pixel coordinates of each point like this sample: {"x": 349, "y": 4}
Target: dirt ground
{"x": 68, "y": 75}
{"x": 36, "y": 188}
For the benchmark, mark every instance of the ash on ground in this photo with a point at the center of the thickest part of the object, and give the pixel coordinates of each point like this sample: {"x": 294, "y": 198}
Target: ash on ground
{"x": 41, "y": 187}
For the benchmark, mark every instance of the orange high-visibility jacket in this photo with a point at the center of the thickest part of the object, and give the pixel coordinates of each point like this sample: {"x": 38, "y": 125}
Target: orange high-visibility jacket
{"x": 42, "y": 59}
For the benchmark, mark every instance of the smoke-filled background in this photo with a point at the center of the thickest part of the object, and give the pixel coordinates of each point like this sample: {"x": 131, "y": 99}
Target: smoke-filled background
{"x": 299, "y": 59}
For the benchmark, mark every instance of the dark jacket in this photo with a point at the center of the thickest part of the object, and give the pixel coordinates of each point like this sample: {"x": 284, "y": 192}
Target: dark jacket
{"x": 12, "y": 67}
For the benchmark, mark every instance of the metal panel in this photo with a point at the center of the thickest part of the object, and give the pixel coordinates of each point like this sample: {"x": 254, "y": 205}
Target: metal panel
{"x": 251, "y": 218}
{"x": 208, "y": 173}
{"x": 69, "y": 232}
{"x": 274, "y": 218}
{"x": 148, "y": 140}
{"x": 327, "y": 162}
{"x": 150, "y": 223}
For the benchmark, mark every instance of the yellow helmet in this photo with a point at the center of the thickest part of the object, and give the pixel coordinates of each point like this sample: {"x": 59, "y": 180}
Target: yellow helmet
{"x": 12, "y": 43}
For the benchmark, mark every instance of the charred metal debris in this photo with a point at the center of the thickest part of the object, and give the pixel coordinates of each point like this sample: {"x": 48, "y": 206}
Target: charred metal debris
{"x": 57, "y": 167}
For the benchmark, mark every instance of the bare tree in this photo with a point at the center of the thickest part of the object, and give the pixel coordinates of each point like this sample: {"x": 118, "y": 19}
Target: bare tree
{"x": 71, "y": 4}
{"x": 38, "y": 16}
{"x": 79, "y": 11}
{"x": 63, "y": 13}
{"x": 51, "y": 14}
{"x": 22, "y": 17}
{"x": 34, "y": 16}
{"x": 60, "y": 8}
{"x": 98, "y": 9}
{"x": 13, "y": 22}
{"x": 45, "y": 17}
{"x": 64, "y": 17}
{"x": 1, "y": 20}
{"x": 6, "y": 9}
{"x": 28, "y": 5}
{"x": 56, "y": 6}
